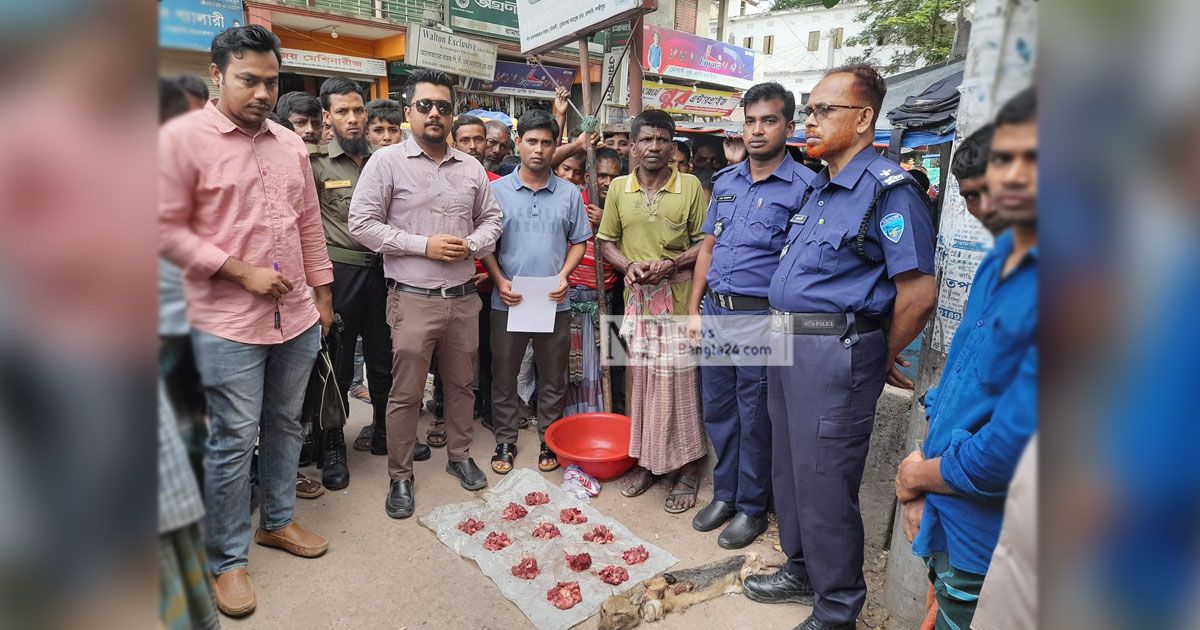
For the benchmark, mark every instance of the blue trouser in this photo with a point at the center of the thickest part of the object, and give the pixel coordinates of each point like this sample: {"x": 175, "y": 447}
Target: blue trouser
{"x": 735, "y": 414}
{"x": 822, "y": 411}
{"x": 253, "y": 392}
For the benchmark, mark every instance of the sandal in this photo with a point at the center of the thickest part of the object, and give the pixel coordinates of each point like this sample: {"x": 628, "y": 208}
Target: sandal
{"x": 629, "y": 490}
{"x": 502, "y": 461}
{"x": 363, "y": 441}
{"x": 692, "y": 483}
{"x": 436, "y": 437}
{"x": 308, "y": 488}
{"x": 361, "y": 392}
{"x": 547, "y": 460}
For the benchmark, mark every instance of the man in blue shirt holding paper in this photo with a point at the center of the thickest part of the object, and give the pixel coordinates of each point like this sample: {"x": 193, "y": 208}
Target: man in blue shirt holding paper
{"x": 984, "y": 410}
{"x": 543, "y": 235}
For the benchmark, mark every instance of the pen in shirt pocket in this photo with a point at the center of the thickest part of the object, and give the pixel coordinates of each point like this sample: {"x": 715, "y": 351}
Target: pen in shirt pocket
{"x": 277, "y": 322}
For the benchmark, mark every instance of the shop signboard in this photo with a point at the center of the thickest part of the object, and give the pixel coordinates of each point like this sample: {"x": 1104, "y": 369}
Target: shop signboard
{"x": 616, "y": 74}
{"x": 439, "y": 50}
{"x": 682, "y": 99}
{"x": 547, "y": 24}
{"x": 681, "y": 55}
{"x": 521, "y": 79}
{"x": 294, "y": 58}
{"x": 192, "y": 24}
{"x": 498, "y": 19}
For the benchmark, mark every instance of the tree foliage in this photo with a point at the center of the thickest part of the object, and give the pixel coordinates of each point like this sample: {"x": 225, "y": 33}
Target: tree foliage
{"x": 921, "y": 31}
{"x": 784, "y": 5}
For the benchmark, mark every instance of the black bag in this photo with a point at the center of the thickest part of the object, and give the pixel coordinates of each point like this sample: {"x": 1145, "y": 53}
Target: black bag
{"x": 324, "y": 406}
{"x": 932, "y": 110}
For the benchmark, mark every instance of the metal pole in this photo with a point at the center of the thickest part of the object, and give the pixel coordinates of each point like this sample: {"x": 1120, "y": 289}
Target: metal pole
{"x": 594, "y": 197}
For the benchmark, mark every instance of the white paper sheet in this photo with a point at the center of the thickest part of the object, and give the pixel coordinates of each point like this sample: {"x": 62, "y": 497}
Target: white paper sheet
{"x": 535, "y": 313}
{"x": 530, "y": 595}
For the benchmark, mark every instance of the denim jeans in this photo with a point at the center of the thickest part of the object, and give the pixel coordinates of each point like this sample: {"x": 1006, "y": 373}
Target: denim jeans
{"x": 254, "y": 392}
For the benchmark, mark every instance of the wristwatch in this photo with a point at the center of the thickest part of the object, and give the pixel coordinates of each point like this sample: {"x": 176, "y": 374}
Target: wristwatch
{"x": 471, "y": 246}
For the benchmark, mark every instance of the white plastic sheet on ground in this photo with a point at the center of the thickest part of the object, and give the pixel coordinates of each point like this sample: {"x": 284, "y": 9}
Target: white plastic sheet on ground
{"x": 530, "y": 595}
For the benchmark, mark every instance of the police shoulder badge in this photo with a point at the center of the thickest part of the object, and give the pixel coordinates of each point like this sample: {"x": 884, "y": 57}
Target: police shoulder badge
{"x": 892, "y": 226}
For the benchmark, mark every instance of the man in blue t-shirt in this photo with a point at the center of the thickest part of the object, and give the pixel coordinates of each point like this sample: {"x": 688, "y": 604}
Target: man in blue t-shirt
{"x": 984, "y": 410}
{"x": 544, "y": 234}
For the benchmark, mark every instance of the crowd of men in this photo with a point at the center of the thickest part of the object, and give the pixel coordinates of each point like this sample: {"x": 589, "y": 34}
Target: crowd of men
{"x": 294, "y": 222}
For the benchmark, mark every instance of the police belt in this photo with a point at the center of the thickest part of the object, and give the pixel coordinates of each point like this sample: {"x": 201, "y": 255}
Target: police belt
{"x": 835, "y": 324}
{"x": 739, "y": 302}
{"x": 354, "y": 257}
{"x": 445, "y": 292}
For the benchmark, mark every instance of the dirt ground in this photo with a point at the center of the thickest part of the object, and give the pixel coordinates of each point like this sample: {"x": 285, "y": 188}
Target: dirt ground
{"x": 385, "y": 573}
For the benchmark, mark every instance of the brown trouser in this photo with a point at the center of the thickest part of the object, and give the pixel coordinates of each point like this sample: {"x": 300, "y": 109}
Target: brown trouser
{"x": 551, "y": 352}
{"x": 419, "y": 324}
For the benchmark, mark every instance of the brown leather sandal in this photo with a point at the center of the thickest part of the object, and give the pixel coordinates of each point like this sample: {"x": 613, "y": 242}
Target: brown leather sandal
{"x": 436, "y": 436}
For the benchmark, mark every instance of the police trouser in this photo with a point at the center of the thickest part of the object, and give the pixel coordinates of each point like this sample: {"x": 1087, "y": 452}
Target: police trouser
{"x": 735, "y": 413}
{"x": 822, "y": 409}
{"x": 360, "y": 297}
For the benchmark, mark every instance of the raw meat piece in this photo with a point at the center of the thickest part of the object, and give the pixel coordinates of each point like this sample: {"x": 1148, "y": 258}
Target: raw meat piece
{"x": 564, "y": 595}
{"x": 470, "y": 526}
{"x": 612, "y": 574}
{"x": 527, "y": 569}
{"x": 537, "y": 498}
{"x": 580, "y": 562}
{"x": 514, "y": 512}
{"x": 496, "y": 541}
{"x": 546, "y": 530}
{"x": 637, "y": 555}
{"x": 572, "y": 516}
{"x": 601, "y": 535}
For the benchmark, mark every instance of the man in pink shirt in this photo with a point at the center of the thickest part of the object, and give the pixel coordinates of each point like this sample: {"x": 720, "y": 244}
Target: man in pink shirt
{"x": 238, "y": 213}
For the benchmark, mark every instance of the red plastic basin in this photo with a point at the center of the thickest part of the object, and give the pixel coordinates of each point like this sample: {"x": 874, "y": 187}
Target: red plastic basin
{"x": 597, "y": 442}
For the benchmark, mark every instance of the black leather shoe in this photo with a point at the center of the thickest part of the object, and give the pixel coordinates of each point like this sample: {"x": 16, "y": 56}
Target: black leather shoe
{"x": 713, "y": 516}
{"x": 742, "y": 531}
{"x": 812, "y": 623}
{"x": 779, "y": 587}
{"x": 469, "y": 475}
{"x": 400, "y": 503}
{"x": 334, "y": 473}
{"x": 422, "y": 452}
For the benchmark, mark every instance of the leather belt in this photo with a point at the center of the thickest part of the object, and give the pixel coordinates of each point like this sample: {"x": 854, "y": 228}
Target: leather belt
{"x": 444, "y": 292}
{"x": 739, "y": 302}
{"x": 354, "y": 257}
{"x": 834, "y": 324}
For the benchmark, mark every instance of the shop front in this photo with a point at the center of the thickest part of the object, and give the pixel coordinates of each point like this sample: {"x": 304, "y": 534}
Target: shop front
{"x": 306, "y": 70}
{"x": 516, "y": 87}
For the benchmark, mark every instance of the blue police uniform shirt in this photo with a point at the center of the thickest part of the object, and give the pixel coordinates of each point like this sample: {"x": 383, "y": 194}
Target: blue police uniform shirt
{"x": 749, "y": 221}
{"x": 819, "y": 270}
{"x": 539, "y": 227}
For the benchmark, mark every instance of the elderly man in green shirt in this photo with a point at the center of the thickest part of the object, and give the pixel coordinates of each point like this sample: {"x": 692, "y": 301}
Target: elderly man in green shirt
{"x": 651, "y": 232}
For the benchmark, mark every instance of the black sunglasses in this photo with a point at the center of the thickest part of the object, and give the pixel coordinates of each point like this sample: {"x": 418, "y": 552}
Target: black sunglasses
{"x": 424, "y": 105}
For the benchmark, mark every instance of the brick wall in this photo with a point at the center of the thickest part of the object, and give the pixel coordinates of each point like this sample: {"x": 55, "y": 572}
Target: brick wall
{"x": 685, "y": 16}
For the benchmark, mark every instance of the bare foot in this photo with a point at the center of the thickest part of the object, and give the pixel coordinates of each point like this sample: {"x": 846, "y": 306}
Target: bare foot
{"x": 682, "y": 496}
{"x": 637, "y": 482}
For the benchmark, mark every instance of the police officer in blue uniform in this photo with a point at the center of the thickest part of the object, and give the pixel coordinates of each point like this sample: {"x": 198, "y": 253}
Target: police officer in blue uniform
{"x": 744, "y": 232}
{"x": 854, "y": 286}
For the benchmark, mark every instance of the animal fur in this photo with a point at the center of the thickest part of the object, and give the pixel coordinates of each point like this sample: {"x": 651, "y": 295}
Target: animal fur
{"x": 653, "y": 598}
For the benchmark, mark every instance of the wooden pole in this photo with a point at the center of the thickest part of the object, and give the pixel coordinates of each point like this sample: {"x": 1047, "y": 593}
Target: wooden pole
{"x": 594, "y": 197}
{"x": 635, "y": 69}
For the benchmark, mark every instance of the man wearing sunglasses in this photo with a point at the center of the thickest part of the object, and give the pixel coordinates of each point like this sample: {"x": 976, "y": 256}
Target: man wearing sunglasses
{"x": 428, "y": 208}
{"x": 854, "y": 286}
